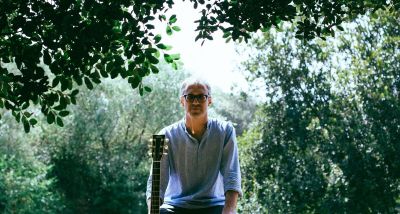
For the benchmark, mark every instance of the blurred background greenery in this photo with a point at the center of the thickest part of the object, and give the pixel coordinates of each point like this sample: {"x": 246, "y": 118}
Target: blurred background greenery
{"x": 325, "y": 140}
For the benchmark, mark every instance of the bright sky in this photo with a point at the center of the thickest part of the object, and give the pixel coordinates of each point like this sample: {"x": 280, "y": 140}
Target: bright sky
{"x": 215, "y": 61}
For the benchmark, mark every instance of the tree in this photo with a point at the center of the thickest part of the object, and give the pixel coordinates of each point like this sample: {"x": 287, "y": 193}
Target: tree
{"x": 324, "y": 142}
{"x": 100, "y": 160}
{"x": 236, "y": 107}
{"x": 25, "y": 184}
{"x": 81, "y": 42}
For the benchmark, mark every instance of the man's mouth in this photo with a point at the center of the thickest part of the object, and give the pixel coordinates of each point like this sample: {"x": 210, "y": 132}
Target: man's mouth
{"x": 196, "y": 108}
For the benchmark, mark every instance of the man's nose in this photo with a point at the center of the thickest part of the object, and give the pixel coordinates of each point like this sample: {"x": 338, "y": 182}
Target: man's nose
{"x": 196, "y": 101}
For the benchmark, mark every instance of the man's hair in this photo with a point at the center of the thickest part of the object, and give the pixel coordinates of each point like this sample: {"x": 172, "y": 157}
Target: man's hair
{"x": 194, "y": 81}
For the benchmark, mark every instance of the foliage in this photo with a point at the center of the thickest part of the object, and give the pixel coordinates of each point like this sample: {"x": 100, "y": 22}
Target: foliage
{"x": 236, "y": 107}
{"x": 26, "y": 189}
{"x": 325, "y": 140}
{"x": 25, "y": 184}
{"x": 85, "y": 41}
{"x": 250, "y": 202}
{"x": 80, "y": 42}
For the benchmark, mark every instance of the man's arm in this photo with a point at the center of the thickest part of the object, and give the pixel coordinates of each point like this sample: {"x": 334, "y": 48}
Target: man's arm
{"x": 230, "y": 202}
{"x": 230, "y": 170}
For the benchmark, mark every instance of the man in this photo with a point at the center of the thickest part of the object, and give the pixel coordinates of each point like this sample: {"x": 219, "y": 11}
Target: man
{"x": 201, "y": 172}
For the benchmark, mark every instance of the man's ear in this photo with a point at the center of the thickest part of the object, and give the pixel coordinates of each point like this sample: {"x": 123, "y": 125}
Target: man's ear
{"x": 209, "y": 101}
{"x": 182, "y": 100}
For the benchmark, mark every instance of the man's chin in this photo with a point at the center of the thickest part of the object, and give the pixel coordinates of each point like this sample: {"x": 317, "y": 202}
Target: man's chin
{"x": 196, "y": 114}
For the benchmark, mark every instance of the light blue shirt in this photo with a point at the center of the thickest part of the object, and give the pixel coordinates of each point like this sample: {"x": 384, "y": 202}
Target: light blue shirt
{"x": 197, "y": 174}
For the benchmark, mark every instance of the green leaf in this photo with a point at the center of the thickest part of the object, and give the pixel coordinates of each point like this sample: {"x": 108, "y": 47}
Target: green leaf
{"x": 95, "y": 75}
{"x": 63, "y": 113}
{"x": 61, "y": 106}
{"x": 59, "y": 122}
{"x": 74, "y": 92}
{"x": 18, "y": 62}
{"x": 176, "y": 28}
{"x": 96, "y": 80}
{"x": 18, "y": 116}
{"x": 6, "y": 59}
{"x": 135, "y": 82}
{"x": 169, "y": 47}
{"x": 141, "y": 90}
{"x": 25, "y": 105}
{"x": 175, "y": 56}
{"x": 50, "y": 118}
{"x": 28, "y": 114}
{"x": 149, "y": 26}
{"x": 172, "y": 19}
{"x": 103, "y": 73}
{"x": 169, "y": 30}
{"x": 152, "y": 59}
{"x": 78, "y": 79}
{"x": 198, "y": 37}
{"x": 99, "y": 66}
{"x": 157, "y": 38}
{"x": 26, "y": 124}
{"x": 33, "y": 121}
{"x": 46, "y": 57}
{"x": 154, "y": 69}
{"x": 56, "y": 80}
{"x": 118, "y": 61}
{"x": 148, "y": 89}
{"x": 226, "y": 34}
{"x": 64, "y": 84}
{"x": 162, "y": 17}
{"x": 73, "y": 100}
{"x": 69, "y": 80}
{"x": 139, "y": 59}
{"x": 157, "y": 54}
{"x": 114, "y": 73}
{"x": 148, "y": 18}
{"x": 168, "y": 58}
{"x": 151, "y": 50}
{"x": 162, "y": 46}
{"x": 35, "y": 99}
{"x": 142, "y": 71}
{"x": 175, "y": 66}
{"x": 131, "y": 65}
{"x": 88, "y": 83}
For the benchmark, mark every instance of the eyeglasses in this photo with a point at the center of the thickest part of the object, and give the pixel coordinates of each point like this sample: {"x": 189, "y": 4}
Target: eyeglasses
{"x": 201, "y": 98}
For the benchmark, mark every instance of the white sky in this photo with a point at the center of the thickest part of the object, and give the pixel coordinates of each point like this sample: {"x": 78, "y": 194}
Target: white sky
{"x": 215, "y": 61}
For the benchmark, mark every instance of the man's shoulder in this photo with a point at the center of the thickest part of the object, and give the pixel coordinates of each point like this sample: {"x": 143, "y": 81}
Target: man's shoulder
{"x": 220, "y": 124}
{"x": 172, "y": 128}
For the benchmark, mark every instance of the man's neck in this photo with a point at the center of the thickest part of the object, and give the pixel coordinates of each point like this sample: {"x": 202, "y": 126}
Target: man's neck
{"x": 196, "y": 125}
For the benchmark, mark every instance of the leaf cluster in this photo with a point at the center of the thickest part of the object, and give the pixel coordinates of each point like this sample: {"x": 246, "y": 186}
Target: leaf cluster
{"x": 237, "y": 19}
{"x": 57, "y": 46}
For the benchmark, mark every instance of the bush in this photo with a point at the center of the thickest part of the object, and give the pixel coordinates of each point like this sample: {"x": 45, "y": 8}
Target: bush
{"x": 26, "y": 188}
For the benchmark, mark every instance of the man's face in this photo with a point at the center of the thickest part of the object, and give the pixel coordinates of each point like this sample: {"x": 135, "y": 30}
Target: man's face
{"x": 196, "y": 104}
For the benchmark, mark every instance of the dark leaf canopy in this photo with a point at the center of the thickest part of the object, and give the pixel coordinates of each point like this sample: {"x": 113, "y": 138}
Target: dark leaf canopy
{"x": 49, "y": 48}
